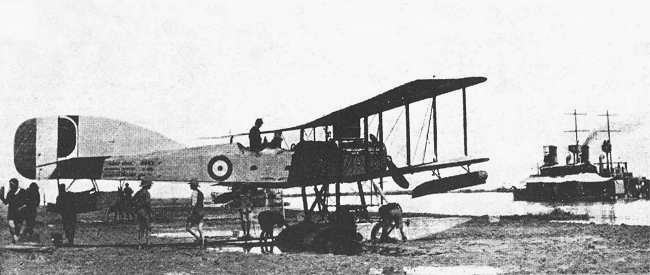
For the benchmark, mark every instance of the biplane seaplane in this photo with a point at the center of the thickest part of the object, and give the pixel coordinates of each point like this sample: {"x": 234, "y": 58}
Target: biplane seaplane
{"x": 82, "y": 147}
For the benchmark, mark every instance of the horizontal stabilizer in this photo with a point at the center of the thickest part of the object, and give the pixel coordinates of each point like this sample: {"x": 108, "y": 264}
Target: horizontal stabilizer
{"x": 83, "y": 202}
{"x": 449, "y": 183}
{"x": 223, "y": 198}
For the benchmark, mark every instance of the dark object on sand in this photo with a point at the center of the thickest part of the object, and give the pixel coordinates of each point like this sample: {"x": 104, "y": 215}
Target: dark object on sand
{"x": 339, "y": 236}
{"x": 319, "y": 238}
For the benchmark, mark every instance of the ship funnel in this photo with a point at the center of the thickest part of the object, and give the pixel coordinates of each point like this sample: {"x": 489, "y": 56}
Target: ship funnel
{"x": 550, "y": 155}
{"x": 580, "y": 153}
{"x": 584, "y": 153}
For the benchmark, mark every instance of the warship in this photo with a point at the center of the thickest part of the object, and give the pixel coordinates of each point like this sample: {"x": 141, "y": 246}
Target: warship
{"x": 579, "y": 179}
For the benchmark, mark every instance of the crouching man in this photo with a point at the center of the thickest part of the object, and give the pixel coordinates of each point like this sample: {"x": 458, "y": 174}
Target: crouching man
{"x": 390, "y": 217}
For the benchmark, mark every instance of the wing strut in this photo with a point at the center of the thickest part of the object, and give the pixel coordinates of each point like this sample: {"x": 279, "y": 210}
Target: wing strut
{"x": 408, "y": 135}
{"x": 435, "y": 128}
{"x": 381, "y": 140}
{"x": 464, "y": 121}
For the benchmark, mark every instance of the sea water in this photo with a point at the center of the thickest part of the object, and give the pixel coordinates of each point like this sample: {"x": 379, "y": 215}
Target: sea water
{"x": 466, "y": 204}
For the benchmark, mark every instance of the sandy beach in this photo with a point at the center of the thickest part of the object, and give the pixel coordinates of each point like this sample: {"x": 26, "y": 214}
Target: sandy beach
{"x": 510, "y": 244}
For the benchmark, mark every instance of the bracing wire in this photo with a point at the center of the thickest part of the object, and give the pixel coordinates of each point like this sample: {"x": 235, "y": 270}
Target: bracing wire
{"x": 428, "y": 128}
{"x": 305, "y": 134}
{"x": 417, "y": 143}
{"x": 396, "y": 121}
{"x": 284, "y": 141}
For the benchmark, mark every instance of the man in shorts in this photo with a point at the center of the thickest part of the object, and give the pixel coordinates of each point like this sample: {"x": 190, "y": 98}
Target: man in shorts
{"x": 15, "y": 199}
{"x": 196, "y": 214}
{"x": 142, "y": 207}
{"x": 245, "y": 206}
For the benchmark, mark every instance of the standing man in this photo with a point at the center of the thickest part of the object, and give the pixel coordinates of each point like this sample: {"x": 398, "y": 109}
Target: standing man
{"x": 142, "y": 206}
{"x": 128, "y": 192}
{"x": 32, "y": 199}
{"x": 196, "y": 214}
{"x": 15, "y": 200}
{"x": 67, "y": 208}
{"x": 254, "y": 136}
{"x": 245, "y": 209}
{"x": 127, "y": 204}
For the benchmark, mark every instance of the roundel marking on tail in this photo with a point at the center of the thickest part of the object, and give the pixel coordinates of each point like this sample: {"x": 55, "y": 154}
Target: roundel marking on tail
{"x": 220, "y": 168}
{"x": 67, "y": 136}
{"x": 25, "y": 149}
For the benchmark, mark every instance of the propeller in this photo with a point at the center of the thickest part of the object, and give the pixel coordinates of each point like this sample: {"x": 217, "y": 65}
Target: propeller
{"x": 399, "y": 178}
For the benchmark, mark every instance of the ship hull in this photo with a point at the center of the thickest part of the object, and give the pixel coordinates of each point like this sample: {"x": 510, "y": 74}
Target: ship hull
{"x": 567, "y": 192}
{"x": 569, "y": 188}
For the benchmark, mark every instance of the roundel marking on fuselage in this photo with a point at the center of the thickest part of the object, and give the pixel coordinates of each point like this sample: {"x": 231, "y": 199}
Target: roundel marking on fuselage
{"x": 220, "y": 168}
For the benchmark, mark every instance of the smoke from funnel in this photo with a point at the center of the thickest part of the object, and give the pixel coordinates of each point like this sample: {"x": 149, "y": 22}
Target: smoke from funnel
{"x": 593, "y": 135}
{"x": 630, "y": 126}
{"x": 625, "y": 127}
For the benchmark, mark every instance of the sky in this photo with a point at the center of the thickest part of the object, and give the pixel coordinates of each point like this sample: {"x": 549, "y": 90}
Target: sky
{"x": 190, "y": 69}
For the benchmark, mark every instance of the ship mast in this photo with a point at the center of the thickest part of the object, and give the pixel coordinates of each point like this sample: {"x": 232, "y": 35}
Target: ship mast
{"x": 575, "y": 127}
{"x": 608, "y": 149}
{"x": 575, "y": 152}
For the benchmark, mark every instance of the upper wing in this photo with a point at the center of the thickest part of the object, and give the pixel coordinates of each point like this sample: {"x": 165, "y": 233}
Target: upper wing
{"x": 407, "y": 93}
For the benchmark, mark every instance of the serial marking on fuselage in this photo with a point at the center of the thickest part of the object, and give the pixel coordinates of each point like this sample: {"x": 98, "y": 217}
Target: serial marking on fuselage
{"x": 120, "y": 168}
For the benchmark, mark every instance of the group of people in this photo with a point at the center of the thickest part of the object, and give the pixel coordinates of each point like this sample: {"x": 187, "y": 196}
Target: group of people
{"x": 122, "y": 207}
{"x": 22, "y": 206}
{"x": 142, "y": 205}
{"x": 143, "y": 212}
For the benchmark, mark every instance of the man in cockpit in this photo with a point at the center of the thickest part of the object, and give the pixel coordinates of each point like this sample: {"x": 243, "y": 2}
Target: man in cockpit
{"x": 276, "y": 142}
{"x": 254, "y": 136}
